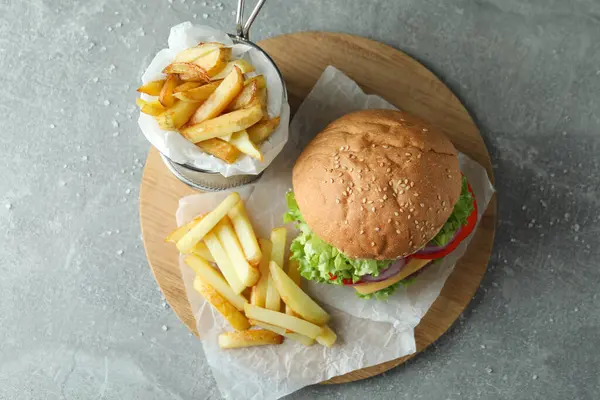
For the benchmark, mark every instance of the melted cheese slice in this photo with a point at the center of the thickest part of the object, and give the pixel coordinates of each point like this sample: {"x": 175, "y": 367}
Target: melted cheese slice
{"x": 413, "y": 266}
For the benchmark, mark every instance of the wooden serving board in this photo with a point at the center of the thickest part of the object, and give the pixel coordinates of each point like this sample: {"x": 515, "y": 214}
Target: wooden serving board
{"x": 378, "y": 69}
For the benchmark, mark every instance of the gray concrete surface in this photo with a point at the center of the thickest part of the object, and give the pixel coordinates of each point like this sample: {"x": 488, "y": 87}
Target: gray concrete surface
{"x": 80, "y": 314}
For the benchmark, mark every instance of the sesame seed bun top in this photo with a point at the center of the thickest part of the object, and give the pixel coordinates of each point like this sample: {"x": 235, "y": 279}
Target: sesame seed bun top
{"x": 377, "y": 184}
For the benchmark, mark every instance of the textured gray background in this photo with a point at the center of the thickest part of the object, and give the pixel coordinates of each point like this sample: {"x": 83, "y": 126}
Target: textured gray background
{"x": 80, "y": 314}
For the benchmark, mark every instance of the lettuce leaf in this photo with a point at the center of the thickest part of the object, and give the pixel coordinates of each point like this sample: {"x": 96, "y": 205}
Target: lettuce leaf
{"x": 462, "y": 209}
{"x": 321, "y": 262}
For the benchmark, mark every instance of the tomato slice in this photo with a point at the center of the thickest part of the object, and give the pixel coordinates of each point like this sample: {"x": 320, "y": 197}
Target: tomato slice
{"x": 462, "y": 235}
{"x": 345, "y": 281}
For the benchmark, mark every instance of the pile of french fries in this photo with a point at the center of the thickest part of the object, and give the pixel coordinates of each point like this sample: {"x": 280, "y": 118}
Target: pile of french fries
{"x": 249, "y": 284}
{"x": 213, "y": 102}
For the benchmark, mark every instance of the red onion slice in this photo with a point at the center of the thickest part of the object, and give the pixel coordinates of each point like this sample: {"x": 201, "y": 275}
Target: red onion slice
{"x": 432, "y": 248}
{"x": 384, "y": 274}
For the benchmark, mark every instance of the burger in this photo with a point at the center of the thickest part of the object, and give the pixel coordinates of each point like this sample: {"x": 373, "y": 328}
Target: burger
{"x": 377, "y": 196}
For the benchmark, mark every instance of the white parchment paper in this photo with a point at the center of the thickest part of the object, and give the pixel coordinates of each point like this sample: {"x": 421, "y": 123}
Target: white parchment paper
{"x": 364, "y": 327}
{"x": 182, "y": 151}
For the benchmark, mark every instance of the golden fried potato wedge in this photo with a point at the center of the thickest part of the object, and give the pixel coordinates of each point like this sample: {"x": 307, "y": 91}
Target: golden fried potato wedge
{"x": 215, "y": 61}
{"x": 166, "y": 93}
{"x": 189, "y": 55}
{"x": 220, "y": 149}
{"x": 242, "y": 142}
{"x": 229, "y": 88}
{"x": 235, "y": 318}
{"x": 257, "y": 337}
{"x": 200, "y": 93}
{"x": 261, "y": 131}
{"x": 259, "y": 79}
{"x": 176, "y": 116}
{"x": 243, "y": 65}
{"x": 152, "y": 88}
{"x": 153, "y": 108}
{"x": 187, "y": 71}
{"x": 224, "y": 124}
{"x": 247, "y": 96}
{"x": 184, "y": 87}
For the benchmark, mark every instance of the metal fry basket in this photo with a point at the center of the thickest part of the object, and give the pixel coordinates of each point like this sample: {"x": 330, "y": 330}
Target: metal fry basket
{"x": 214, "y": 181}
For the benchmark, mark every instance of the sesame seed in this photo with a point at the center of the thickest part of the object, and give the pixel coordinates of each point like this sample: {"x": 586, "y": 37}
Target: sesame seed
{"x": 389, "y": 220}
{"x": 398, "y": 231}
{"x": 419, "y": 155}
{"x": 410, "y": 243}
{"x": 385, "y": 146}
{"x": 364, "y": 201}
{"x": 361, "y": 159}
{"x": 391, "y": 183}
{"x": 342, "y": 148}
{"x": 344, "y": 167}
{"x": 422, "y": 228}
{"x": 332, "y": 180}
{"x": 405, "y": 181}
{"x": 412, "y": 210}
{"x": 388, "y": 170}
{"x": 362, "y": 208}
{"x": 373, "y": 209}
{"x": 385, "y": 196}
{"x": 351, "y": 169}
{"x": 412, "y": 184}
{"x": 450, "y": 176}
{"x": 381, "y": 200}
{"x": 360, "y": 170}
{"x": 345, "y": 193}
{"x": 373, "y": 145}
{"x": 396, "y": 213}
{"x": 416, "y": 222}
{"x": 348, "y": 188}
{"x": 408, "y": 216}
{"x": 346, "y": 222}
{"x": 416, "y": 194}
{"x": 396, "y": 222}
{"x": 425, "y": 130}
{"x": 443, "y": 203}
{"x": 385, "y": 188}
{"x": 336, "y": 154}
{"x": 373, "y": 244}
{"x": 407, "y": 154}
{"x": 422, "y": 205}
{"x": 360, "y": 176}
{"x": 370, "y": 202}
{"x": 381, "y": 164}
{"x": 445, "y": 208}
{"x": 437, "y": 212}
{"x": 337, "y": 201}
{"x": 342, "y": 181}
{"x": 377, "y": 229}
{"x": 373, "y": 179}
{"x": 340, "y": 174}
{"x": 362, "y": 232}
{"x": 400, "y": 191}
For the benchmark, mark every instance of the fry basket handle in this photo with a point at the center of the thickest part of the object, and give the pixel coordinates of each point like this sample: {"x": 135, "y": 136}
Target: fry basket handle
{"x": 243, "y": 29}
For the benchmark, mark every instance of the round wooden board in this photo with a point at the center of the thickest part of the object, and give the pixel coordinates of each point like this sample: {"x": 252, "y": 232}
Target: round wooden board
{"x": 378, "y": 69}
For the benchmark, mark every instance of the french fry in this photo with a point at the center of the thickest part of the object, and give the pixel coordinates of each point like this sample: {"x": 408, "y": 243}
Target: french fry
{"x": 180, "y": 232}
{"x": 210, "y": 220}
{"x": 166, "y": 93}
{"x": 282, "y": 320}
{"x": 294, "y": 274}
{"x": 176, "y": 116}
{"x": 215, "y": 61}
{"x": 258, "y": 337}
{"x": 229, "y": 88}
{"x": 327, "y": 337}
{"x": 247, "y": 274}
{"x": 187, "y": 71}
{"x": 245, "y": 233}
{"x": 201, "y": 250}
{"x": 243, "y": 65}
{"x": 305, "y": 340}
{"x": 261, "y": 131}
{"x": 259, "y": 79}
{"x": 278, "y": 236}
{"x": 211, "y": 276}
{"x": 259, "y": 291}
{"x": 263, "y": 100}
{"x": 222, "y": 125}
{"x": 152, "y": 88}
{"x": 200, "y": 93}
{"x": 185, "y": 86}
{"x": 223, "y": 262}
{"x": 153, "y": 108}
{"x": 220, "y": 149}
{"x": 189, "y": 55}
{"x": 242, "y": 142}
{"x": 292, "y": 295}
{"x": 235, "y": 318}
{"x": 247, "y": 96}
